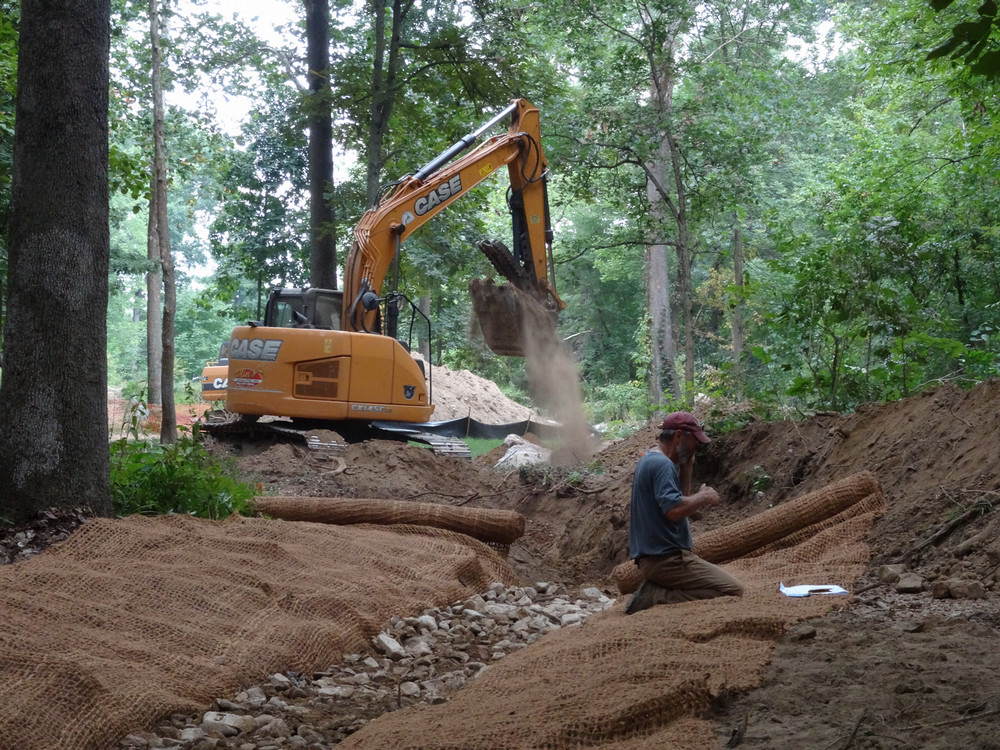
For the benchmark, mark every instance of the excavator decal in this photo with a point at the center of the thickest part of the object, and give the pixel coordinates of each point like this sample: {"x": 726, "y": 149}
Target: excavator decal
{"x": 262, "y": 349}
{"x": 247, "y": 378}
{"x": 440, "y": 195}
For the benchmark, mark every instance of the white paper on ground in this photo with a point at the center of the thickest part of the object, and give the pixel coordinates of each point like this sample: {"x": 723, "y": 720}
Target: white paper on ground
{"x": 808, "y": 590}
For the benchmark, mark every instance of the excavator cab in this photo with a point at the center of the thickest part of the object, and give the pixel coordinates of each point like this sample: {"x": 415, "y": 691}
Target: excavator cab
{"x": 215, "y": 377}
{"x": 304, "y": 308}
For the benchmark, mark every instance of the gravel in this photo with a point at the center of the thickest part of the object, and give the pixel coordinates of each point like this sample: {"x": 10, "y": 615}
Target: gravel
{"x": 418, "y": 659}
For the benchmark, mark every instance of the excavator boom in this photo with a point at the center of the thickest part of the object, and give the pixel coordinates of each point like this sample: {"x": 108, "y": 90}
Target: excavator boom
{"x": 417, "y": 198}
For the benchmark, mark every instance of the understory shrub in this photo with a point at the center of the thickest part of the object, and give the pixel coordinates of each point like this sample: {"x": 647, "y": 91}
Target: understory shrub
{"x": 150, "y": 478}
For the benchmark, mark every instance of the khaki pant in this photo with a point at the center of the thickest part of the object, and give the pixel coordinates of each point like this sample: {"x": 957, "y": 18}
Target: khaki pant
{"x": 685, "y": 577}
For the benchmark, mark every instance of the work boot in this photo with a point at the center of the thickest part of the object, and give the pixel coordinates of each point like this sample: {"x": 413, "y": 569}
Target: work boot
{"x": 643, "y": 598}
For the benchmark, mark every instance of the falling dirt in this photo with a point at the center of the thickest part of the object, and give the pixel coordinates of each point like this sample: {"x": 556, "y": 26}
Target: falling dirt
{"x": 515, "y": 323}
{"x": 890, "y": 670}
{"x": 555, "y": 383}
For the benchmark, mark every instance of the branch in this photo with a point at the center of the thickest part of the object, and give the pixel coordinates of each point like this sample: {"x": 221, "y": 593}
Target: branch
{"x": 978, "y": 508}
{"x": 721, "y": 46}
{"x": 920, "y": 119}
{"x": 950, "y": 722}
{"x": 608, "y": 26}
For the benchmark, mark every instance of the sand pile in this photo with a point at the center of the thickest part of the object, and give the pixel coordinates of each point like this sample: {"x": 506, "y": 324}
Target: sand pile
{"x": 460, "y": 393}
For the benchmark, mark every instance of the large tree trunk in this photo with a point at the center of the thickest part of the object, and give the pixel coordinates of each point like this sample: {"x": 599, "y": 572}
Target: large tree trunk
{"x": 663, "y": 377}
{"x": 685, "y": 252}
{"x": 53, "y": 400}
{"x": 154, "y": 301}
{"x": 664, "y": 385}
{"x": 323, "y": 241}
{"x": 663, "y": 208}
{"x": 168, "y": 424}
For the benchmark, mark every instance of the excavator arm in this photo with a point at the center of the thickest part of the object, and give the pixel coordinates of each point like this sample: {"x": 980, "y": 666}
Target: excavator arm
{"x": 417, "y": 198}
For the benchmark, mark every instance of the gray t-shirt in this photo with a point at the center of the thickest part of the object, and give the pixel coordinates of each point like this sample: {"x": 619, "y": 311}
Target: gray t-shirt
{"x": 655, "y": 490}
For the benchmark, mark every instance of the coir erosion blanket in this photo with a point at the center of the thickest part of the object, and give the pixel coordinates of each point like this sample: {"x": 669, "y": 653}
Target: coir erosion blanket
{"x": 130, "y": 620}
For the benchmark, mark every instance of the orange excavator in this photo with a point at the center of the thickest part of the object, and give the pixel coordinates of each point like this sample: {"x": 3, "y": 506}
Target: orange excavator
{"x": 326, "y": 357}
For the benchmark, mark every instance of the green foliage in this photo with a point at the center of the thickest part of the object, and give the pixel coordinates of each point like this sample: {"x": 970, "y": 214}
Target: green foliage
{"x": 974, "y": 39}
{"x": 151, "y": 479}
{"x": 621, "y": 402}
{"x": 481, "y": 446}
{"x": 864, "y": 186}
{"x": 261, "y": 229}
{"x": 756, "y": 479}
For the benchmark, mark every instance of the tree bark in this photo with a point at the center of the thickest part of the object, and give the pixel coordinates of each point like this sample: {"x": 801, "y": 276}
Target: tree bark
{"x": 664, "y": 209}
{"x": 323, "y": 241}
{"x": 685, "y": 253}
{"x": 154, "y": 301}
{"x": 168, "y": 423}
{"x": 424, "y": 342}
{"x": 53, "y": 398}
{"x": 739, "y": 335}
{"x": 384, "y": 72}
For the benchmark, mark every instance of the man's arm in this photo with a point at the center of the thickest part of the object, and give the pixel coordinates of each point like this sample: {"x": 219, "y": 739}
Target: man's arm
{"x": 705, "y": 497}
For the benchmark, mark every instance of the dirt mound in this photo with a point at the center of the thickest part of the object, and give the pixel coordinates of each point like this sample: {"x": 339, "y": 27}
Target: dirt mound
{"x": 460, "y": 393}
{"x": 881, "y": 674}
{"x": 903, "y": 655}
{"x": 933, "y": 454}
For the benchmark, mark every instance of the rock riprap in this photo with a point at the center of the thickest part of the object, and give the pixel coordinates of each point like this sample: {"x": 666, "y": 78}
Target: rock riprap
{"x": 422, "y": 659}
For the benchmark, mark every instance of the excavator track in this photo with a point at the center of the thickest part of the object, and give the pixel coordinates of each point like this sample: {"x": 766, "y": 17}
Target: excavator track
{"x": 227, "y": 426}
{"x": 441, "y": 445}
{"x": 232, "y": 427}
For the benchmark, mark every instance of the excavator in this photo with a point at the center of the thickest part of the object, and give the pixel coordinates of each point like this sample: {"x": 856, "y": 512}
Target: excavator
{"x": 334, "y": 358}
{"x": 215, "y": 376}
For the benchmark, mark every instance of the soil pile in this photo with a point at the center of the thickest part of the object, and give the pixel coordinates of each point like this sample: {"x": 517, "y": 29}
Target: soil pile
{"x": 900, "y": 666}
{"x": 934, "y": 455}
{"x": 460, "y": 393}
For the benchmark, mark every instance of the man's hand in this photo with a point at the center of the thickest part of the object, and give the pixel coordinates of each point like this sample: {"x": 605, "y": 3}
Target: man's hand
{"x": 706, "y": 496}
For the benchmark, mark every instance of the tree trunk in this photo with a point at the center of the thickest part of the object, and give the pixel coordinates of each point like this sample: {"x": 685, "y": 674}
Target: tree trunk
{"x": 168, "y": 423}
{"x": 685, "y": 252}
{"x": 323, "y": 241}
{"x": 53, "y": 399}
{"x": 739, "y": 335}
{"x": 424, "y": 342}
{"x": 384, "y": 71}
{"x": 154, "y": 301}
{"x": 663, "y": 208}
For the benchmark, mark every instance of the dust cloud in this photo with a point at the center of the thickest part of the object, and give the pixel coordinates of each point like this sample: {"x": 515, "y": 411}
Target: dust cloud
{"x": 515, "y": 323}
{"x": 555, "y": 384}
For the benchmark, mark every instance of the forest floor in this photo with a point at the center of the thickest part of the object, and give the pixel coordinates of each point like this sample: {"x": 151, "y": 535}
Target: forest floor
{"x": 887, "y": 670}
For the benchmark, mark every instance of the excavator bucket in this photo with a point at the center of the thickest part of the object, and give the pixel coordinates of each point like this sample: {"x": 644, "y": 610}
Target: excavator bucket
{"x": 511, "y": 320}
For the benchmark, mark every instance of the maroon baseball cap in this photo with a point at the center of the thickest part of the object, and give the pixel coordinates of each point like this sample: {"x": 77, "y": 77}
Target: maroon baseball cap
{"x": 682, "y": 420}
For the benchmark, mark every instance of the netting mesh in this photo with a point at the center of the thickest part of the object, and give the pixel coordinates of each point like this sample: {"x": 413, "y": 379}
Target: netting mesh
{"x": 643, "y": 681}
{"x": 130, "y": 620}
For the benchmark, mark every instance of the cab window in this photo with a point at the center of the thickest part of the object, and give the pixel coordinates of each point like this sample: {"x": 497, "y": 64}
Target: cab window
{"x": 328, "y": 313}
{"x": 283, "y": 314}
